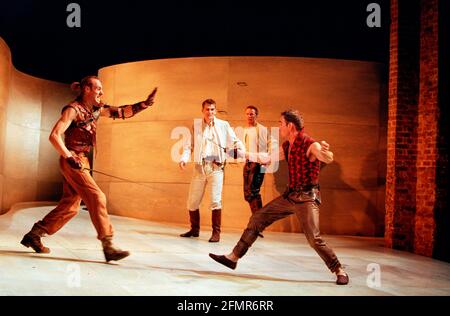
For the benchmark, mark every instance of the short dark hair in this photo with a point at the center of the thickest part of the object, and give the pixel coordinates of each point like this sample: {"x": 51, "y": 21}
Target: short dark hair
{"x": 208, "y": 101}
{"x": 253, "y": 108}
{"x": 294, "y": 117}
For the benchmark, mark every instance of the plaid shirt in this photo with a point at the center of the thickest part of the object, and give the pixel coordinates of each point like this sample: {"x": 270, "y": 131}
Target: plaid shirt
{"x": 302, "y": 172}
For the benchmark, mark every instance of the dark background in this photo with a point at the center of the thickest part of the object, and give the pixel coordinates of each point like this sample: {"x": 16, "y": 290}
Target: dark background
{"x": 115, "y": 32}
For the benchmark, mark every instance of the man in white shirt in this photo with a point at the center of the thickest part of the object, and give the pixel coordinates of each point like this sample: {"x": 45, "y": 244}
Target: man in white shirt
{"x": 211, "y": 141}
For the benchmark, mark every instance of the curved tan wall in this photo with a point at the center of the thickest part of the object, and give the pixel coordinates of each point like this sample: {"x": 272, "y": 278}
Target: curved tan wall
{"x": 342, "y": 102}
{"x": 5, "y": 68}
{"x": 29, "y": 107}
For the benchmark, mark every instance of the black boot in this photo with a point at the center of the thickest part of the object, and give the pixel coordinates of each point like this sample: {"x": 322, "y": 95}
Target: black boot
{"x": 216, "y": 220}
{"x": 33, "y": 240}
{"x": 224, "y": 260}
{"x": 111, "y": 252}
{"x": 194, "y": 217}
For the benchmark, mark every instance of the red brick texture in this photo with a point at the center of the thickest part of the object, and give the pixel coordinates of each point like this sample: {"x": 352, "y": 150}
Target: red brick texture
{"x": 428, "y": 130}
{"x": 413, "y": 126}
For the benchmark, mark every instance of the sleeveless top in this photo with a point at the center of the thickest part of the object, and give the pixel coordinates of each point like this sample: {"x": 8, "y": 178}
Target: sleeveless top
{"x": 303, "y": 173}
{"x": 80, "y": 136}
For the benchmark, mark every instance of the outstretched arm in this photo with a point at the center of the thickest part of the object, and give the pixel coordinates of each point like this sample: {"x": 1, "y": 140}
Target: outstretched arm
{"x": 233, "y": 142}
{"x": 127, "y": 111}
{"x": 274, "y": 152}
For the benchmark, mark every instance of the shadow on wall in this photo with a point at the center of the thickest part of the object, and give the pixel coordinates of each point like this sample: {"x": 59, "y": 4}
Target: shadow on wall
{"x": 376, "y": 188}
{"x": 346, "y": 204}
{"x": 342, "y": 203}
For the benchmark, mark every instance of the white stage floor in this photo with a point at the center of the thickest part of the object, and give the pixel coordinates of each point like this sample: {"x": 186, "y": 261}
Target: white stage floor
{"x": 162, "y": 263}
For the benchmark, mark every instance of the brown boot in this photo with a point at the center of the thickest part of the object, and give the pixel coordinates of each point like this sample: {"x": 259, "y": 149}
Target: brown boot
{"x": 111, "y": 252}
{"x": 194, "y": 216}
{"x": 216, "y": 220}
{"x": 33, "y": 240}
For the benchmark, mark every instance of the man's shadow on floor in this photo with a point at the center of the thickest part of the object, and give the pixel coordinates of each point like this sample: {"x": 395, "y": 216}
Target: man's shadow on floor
{"x": 203, "y": 273}
{"x": 34, "y": 255}
{"x": 336, "y": 185}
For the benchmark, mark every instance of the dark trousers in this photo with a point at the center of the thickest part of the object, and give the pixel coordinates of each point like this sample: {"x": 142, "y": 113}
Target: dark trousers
{"x": 281, "y": 207}
{"x": 253, "y": 179}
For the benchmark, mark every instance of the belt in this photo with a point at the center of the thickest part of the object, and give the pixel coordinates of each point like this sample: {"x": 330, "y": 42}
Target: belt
{"x": 303, "y": 188}
{"x": 299, "y": 189}
{"x": 205, "y": 161}
{"x": 79, "y": 153}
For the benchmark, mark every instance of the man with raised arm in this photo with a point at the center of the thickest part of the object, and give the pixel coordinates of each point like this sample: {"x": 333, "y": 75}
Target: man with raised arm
{"x": 78, "y": 123}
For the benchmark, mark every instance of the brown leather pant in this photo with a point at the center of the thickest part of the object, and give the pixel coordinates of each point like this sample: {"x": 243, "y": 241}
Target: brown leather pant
{"x": 78, "y": 185}
{"x": 253, "y": 179}
{"x": 307, "y": 213}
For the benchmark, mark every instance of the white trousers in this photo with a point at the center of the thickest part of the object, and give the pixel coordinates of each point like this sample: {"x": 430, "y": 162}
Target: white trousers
{"x": 206, "y": 174}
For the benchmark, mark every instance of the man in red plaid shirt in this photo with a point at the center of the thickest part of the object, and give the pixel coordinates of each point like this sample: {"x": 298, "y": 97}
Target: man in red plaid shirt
{"x": 302, "y": 197}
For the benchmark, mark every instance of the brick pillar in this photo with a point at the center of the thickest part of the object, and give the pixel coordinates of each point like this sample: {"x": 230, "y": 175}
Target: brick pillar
{"x": 402, "y": 124}
{"x": 428, "y": 130}
{"x": 417, "y": 217}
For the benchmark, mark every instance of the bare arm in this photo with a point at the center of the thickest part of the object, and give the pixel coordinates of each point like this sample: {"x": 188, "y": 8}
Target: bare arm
{"x": 267, "y": 158}
{"x": 127, "y": 111}
{"x": 60, "y": 127}
{"x": 320, "y": 151}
